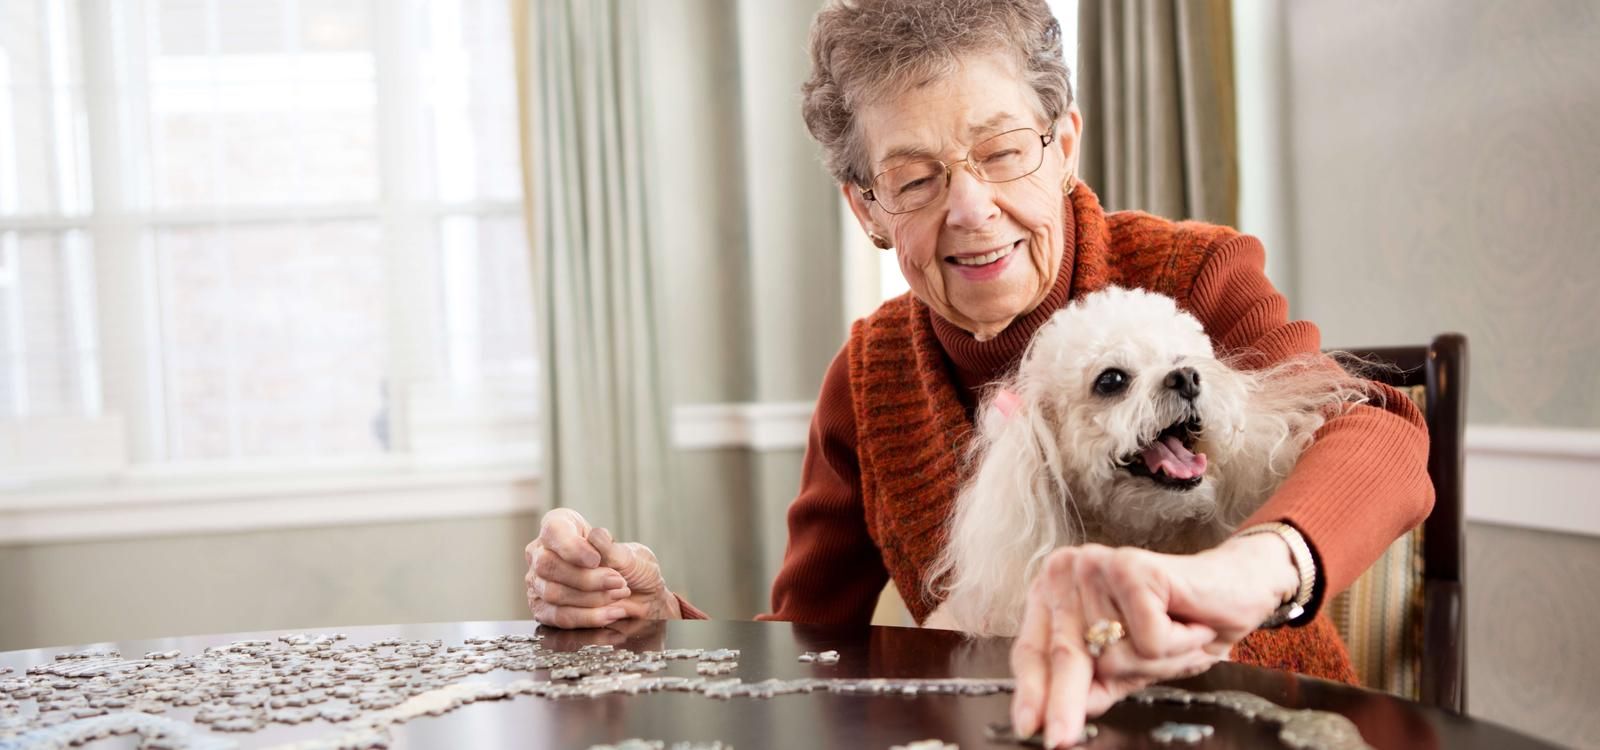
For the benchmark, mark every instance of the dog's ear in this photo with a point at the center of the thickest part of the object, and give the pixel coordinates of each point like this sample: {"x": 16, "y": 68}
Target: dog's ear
{"x": 1014, "y": 454}
{"x": 1002, "y": 406}
{"x": 1008, "y": 515}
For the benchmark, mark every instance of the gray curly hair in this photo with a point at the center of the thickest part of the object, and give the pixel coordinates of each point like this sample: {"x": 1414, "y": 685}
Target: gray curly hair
{"x": 862, "y": 50}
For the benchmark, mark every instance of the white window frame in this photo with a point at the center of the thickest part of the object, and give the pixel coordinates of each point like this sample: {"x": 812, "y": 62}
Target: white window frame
{"x": 462, "y": 441}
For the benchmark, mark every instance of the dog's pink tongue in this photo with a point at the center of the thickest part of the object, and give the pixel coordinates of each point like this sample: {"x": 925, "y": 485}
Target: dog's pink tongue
{"x": 1170, "y": 457}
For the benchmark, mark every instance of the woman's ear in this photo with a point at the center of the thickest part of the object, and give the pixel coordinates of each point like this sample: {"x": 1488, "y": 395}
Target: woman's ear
{"x": 863, "y": 212}
{"x": 1069, "y": 133}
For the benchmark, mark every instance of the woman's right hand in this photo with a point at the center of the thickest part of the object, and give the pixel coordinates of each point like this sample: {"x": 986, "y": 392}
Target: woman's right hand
{"x": 579, "y": 577}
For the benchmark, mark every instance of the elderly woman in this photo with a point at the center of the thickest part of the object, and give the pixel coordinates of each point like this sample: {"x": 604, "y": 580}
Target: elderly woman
{"x": 953, "y": 135}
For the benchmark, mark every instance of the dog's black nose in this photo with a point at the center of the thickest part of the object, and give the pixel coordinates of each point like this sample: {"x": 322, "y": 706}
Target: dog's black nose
{"x": 1185, "y": 381}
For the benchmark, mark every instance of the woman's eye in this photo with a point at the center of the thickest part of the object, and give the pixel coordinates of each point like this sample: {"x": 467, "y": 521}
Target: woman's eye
{"x": 913, "y": 185}
{"x": 1000, "y": 156}
{"x": 1110, "y": 382}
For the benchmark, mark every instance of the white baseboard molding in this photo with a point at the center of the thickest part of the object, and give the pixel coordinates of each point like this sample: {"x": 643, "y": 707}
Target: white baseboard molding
{"x": 223, "y": 505}
{"x": 1534, "y": 478}
{"x": 770, "y": 426}
{"x": 1537, "y": 478}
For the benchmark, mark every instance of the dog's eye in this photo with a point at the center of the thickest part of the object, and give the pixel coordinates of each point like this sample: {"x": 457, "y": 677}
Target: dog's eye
{"x": 1111, "y": 382}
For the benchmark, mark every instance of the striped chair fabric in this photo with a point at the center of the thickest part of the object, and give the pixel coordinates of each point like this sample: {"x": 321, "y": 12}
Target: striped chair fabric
{"x": 1380, "y": 615}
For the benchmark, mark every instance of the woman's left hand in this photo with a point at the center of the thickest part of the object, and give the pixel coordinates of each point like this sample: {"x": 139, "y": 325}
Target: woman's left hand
{"x": 1180, "y": 614}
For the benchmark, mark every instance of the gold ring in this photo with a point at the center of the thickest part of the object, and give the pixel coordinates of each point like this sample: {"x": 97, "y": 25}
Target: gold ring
{"x": 1102, "y": 634}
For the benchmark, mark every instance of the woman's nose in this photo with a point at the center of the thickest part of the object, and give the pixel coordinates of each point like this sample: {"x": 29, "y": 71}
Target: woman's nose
{"x": 971, "y": 200}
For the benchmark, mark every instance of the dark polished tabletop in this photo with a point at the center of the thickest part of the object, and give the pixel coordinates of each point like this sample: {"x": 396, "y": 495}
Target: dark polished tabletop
{"x": 821, "y": 719}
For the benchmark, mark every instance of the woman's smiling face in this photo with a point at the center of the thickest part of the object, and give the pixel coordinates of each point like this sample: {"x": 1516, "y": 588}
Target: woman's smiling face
{"x": 983, "y": 253}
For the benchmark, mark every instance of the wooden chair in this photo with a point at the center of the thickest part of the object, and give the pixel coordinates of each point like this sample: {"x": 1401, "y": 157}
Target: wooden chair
{"x": 1404, "y": 619}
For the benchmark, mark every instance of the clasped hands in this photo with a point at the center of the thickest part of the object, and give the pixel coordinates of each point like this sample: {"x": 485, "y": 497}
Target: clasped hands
{"x": 579, "y": 577}
{"x": 1179, "y": 614}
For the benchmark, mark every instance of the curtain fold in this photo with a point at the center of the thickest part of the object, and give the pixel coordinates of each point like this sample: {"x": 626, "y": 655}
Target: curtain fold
{"x": 1155, "y": 84}
{"x": 603, "y": 410}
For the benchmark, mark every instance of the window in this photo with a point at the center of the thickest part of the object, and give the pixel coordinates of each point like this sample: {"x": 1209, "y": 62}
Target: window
{"x": 267, "y": 231}
{"x": 47, "y": 341}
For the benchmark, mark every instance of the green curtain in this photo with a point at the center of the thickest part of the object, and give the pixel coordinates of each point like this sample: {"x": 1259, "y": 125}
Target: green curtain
{"x": 603, "y": 411}
{"x": 1156, "y": 88}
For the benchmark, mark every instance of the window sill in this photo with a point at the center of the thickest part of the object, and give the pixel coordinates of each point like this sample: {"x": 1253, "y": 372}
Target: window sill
{"x": 148, "y": 502}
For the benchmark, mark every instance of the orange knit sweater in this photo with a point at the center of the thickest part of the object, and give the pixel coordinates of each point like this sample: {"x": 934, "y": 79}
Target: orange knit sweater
{"x": 880, "y": 471}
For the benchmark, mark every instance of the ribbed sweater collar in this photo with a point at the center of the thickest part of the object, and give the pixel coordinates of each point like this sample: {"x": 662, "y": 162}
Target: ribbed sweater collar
{"x": 979, "y": 362}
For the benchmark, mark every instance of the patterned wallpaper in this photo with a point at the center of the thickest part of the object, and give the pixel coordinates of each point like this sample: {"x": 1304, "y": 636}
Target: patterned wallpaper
{"x": 1533, "y": 674}
{"x": 1445, "y": 165}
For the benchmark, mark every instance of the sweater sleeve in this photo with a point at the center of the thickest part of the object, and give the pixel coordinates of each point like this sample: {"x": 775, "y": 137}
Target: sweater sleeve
{"x": 1363, "y": 482}
{"x": 832, "y": 571}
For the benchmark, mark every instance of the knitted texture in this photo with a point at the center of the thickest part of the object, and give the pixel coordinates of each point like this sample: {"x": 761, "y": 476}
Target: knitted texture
{"x": 1314, "y": 649}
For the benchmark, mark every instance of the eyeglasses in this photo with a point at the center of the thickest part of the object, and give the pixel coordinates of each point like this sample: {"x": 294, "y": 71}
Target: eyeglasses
{"x": 1012, "y": 155}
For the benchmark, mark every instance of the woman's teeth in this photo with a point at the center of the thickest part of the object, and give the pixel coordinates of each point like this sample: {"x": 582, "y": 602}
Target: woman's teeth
{"x": 985, "y": 259}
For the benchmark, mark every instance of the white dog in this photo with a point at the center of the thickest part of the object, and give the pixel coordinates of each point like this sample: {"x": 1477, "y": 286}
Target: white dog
{"x": 1120, "y": 427}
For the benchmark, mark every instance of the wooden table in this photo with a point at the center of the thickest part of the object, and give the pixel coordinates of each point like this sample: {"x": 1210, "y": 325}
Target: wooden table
{"x": 822, "y": 720}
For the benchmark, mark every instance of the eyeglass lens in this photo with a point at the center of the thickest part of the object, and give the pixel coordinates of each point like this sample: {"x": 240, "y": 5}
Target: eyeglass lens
{"x": 1005, "y": 157}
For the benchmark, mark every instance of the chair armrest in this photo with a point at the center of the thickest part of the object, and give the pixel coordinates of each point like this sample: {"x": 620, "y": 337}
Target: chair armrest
{"x": 1444, "y": 666}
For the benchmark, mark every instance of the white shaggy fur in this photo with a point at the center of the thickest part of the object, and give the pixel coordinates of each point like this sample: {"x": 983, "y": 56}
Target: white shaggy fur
{"x": 1053, "y": 472}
